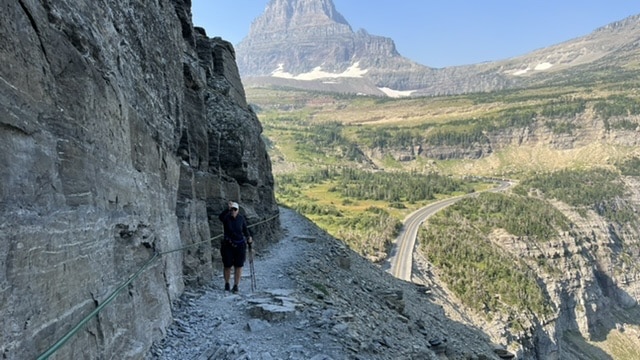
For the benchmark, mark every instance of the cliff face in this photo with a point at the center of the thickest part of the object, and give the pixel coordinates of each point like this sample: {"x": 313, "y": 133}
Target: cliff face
{"x": 587, "y": 130}
{"x": 123, "y": 132}
{"x": 593, "y": 288}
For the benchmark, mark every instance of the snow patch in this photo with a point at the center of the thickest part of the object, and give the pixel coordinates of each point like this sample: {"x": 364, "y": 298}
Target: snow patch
{"x": 540, "y": 67}
{"x": 522, "y": 72}
{"x": 543, "y": 66}
{"x": 353, "y": 71}
{"x": 396, "y": 93}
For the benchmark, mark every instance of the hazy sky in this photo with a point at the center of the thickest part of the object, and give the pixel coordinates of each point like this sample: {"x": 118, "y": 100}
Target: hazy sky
{"x": 441, "y": 33}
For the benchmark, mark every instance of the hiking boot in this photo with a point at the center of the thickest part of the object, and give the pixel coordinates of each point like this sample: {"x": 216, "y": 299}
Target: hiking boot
{"x": 226, "y": 286}
{"x": 235, "y": 289}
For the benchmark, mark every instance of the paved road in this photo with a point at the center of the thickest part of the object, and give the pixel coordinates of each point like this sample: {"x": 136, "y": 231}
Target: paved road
{"x": 401, "y": 258}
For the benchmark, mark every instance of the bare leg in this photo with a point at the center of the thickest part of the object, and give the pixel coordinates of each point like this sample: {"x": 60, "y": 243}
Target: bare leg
{"x": 227, "y": 274}
{"x": 237, "y": 275}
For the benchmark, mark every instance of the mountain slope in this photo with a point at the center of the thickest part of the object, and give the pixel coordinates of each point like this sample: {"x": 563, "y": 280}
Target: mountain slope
{"x": 585, "y": 272}
{"x": 308, "y": 44}
{"x": 610, "y": 44}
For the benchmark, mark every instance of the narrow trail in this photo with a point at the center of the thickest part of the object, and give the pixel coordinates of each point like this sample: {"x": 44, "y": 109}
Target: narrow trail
{"x": 211, "y": 323}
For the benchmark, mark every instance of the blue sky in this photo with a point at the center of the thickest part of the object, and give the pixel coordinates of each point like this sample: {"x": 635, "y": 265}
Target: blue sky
{"x": 443, "y": 32}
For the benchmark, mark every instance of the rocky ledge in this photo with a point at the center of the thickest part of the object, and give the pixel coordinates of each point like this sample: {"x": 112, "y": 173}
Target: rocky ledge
{"x": 316, "y": 299}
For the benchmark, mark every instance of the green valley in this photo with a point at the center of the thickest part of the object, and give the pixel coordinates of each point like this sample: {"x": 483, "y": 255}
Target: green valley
{"x": 358, "y": 165}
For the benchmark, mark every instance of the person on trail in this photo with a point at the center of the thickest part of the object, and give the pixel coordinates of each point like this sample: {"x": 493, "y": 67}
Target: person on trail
{"x": 233, "y": 247}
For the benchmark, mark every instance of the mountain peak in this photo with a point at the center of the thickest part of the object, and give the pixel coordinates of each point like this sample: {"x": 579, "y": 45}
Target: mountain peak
{"x": 309, "y": 41}
{"x": 288, "y": 15}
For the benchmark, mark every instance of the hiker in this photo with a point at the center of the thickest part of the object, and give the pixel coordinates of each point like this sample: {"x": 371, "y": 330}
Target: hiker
{"x": 233, "y": 247}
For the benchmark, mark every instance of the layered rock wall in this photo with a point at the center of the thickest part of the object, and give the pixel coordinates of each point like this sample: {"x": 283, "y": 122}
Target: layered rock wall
{"x": 591, "y": 278}
{"x": 589, "y": 129}
{"x": 123, "y": 132}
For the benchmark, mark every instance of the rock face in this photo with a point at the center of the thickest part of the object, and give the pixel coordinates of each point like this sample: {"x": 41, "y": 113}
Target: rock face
{"x": 123, "y": 132}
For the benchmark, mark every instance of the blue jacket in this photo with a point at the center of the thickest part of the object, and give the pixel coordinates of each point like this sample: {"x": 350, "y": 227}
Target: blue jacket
{"x": 236, "y": 230}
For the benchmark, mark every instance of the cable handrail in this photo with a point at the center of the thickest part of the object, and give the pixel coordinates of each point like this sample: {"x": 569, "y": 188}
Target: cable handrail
{"x": 122, "y": 286}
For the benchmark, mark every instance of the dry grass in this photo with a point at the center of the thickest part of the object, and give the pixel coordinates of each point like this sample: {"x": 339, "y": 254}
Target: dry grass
{"x": 407, "y": 111}
{"x": 515, "y": 161}
{"x": 622, "y": 345}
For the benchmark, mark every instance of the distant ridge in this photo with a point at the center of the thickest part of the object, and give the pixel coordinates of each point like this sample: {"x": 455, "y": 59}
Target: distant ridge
{"x": 308, "y": 44}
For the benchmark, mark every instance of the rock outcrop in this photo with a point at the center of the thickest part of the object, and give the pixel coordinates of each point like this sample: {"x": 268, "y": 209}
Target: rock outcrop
{"x": 123, "y": 132}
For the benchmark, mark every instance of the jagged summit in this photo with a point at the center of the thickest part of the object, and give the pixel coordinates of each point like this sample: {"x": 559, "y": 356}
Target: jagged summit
{"x": 309, "y": 40}
{"x": 283, "y": 15}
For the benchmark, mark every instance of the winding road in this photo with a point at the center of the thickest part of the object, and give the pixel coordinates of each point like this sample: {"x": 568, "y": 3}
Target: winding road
{"x": 401, "y": 258}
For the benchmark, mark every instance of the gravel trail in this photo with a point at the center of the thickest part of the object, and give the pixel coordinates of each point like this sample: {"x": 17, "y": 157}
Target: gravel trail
{"x": 215, "y": 324}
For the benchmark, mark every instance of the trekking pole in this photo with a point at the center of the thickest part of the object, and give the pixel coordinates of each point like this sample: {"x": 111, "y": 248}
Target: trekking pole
{"x": 252, "y": 270}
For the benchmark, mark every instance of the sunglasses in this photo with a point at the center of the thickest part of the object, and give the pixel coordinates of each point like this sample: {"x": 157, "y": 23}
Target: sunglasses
{"x": 234, "y": 209}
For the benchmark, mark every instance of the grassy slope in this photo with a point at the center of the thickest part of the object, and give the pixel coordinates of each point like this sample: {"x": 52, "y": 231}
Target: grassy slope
{"x": 303, "y": 109}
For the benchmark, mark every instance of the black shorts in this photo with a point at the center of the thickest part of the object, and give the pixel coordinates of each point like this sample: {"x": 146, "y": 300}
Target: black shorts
{"x": 233, "y": 255}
